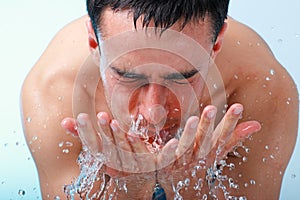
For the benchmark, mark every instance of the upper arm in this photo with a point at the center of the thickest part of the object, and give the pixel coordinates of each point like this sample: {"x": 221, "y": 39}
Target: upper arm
{"x": 270, "y": 97}
{"x": 46, "y": 100}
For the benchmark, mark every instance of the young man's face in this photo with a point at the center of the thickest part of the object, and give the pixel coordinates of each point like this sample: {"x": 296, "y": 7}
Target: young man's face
{"x": 152, "y": 81}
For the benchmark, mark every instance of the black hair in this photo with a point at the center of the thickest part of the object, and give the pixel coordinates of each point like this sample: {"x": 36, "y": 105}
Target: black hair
{"x": 164, "y": 13}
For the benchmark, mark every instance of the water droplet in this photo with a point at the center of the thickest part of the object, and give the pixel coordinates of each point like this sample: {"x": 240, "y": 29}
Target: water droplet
{"x": 2, "y": 182}
{"x": 268, "y": 78}
{"x": 247, "y": 150}
{"x": 34, "y": 138}
{"x": 272, "y": 72}
{"x": 215, "y": 86}
{"x": 231, "y": 166}
{"x": 69, "y": 144}
{"x": 246, "y": 184}
{"x": 293, "y": 176}
{"x": 28, "y": 119}
{"x": 56, "y": 198}
{"x": 280, "y": 40}
{"x": 21, "y": 192}
{"x": 280, "y": 172}
{"x": 6, "y": 144}
{"x": 236, "y": 77}
{"x": 238, "y": 42}
{"x": 240, "y": 175}
{"x": 17, "y": 143}
{"x": 66, "y": 151}
{"x": 193, "y": 173}
{"x": 252, "y": 182}
{"x": 61, "y": 144}
{"x": 258, "y": 44}
{"x": 267, "y": 147}
{"x": 272, "y": 157}
{"x": 244, "y": 159}
{"x": 264, "y": 159}
{"x": 187, "y": 182}
{"x": 60, "y": 98}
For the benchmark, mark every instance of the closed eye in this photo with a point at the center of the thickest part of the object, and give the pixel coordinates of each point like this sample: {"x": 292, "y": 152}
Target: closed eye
{"x": 181, "y": 78}
{"x": 127, "y": 76}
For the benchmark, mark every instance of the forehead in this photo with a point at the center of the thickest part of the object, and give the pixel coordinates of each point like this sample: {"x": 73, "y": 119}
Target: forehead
{"x": 117, "y": 22}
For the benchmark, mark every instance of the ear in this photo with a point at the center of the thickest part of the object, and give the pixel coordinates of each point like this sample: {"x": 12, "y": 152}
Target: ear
{"x": 219, "y": 41}
{"x": 92, "y": 37}
{"x": 94, "y": 49}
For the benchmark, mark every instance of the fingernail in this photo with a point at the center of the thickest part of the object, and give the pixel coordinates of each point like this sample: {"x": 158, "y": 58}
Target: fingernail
{"x": 211, "y": 114}
{"x": 81, "y": 120}
{"x": 102, "y": 121}
{"x": 113, "y": 126}
{"x": 194, "y": 124}
{"x": 237, "y": 110}
{"x": 101, "y": 118}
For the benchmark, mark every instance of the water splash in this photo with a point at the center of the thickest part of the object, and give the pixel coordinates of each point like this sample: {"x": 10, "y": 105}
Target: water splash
{"x": 89, "y": 169}
{"x": 21, "y": 192}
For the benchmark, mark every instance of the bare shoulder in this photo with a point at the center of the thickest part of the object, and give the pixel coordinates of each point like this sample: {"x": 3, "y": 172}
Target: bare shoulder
{"x": 46, "y": 100}
{"x": 269, "y": 95}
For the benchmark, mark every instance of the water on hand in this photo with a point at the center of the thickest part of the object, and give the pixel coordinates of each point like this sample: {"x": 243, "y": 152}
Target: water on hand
{"x": 91, "y": 171}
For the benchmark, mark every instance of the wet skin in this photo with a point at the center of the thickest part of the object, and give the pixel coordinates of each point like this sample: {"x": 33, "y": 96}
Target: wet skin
{"x": 235, "y": 60}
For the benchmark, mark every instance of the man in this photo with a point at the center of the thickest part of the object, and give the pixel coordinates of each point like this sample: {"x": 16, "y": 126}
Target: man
{"x": 156, "y": 80}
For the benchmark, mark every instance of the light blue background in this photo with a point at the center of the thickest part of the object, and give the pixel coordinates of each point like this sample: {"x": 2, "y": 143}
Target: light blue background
{"x": 26, "y": 28}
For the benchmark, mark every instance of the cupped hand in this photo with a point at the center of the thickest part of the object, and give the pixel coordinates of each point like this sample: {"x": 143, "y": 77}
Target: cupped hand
{"x": 125, "y": 156}
{"x": 201, "y": 146}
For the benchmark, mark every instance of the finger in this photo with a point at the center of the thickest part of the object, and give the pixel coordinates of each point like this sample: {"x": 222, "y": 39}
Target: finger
{"x": 229, "y": 122}
{"x": 110, "y": 152}
{"x": 88, "y": 134}
{"x": 204, "y": 137}
{"x": 187, "y": 139}
{"x": 224, "y": 131}
{"x": 241, "y": 132}
{"x": 105, "y": 128}
{"x": 144, "y": 157}
{"x": 125, "y": 152}
{"x": 69, "y": 124}
{"x": 167, "y": 156}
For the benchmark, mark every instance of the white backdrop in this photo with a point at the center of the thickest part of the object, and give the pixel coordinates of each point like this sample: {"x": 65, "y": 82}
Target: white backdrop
{"x": 27, "y": 27}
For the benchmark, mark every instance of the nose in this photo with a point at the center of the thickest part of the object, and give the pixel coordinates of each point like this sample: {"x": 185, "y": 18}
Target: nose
{"x": 153, "y": 103}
